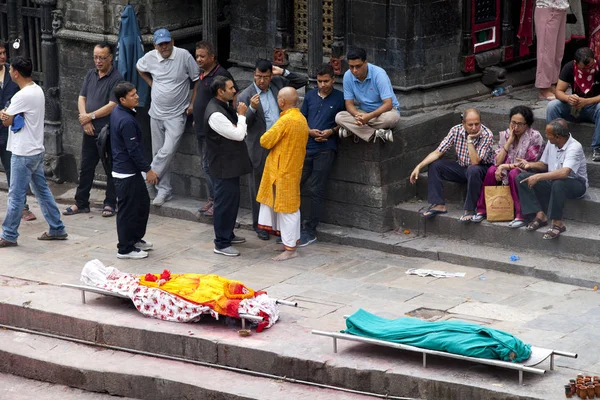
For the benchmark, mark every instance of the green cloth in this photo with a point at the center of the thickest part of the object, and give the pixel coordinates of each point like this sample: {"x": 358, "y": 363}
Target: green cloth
{"x": 455, "y": 337}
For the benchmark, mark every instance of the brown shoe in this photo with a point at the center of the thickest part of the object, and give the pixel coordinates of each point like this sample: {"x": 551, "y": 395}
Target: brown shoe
{"x": 210, "y": 212}
{"x": 207, "y": 206}
{"x": 6, "y": 243}
{"x": 28, "y": 215}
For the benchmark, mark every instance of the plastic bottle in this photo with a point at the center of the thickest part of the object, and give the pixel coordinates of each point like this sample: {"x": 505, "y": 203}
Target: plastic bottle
{"x": 500, "y": 91}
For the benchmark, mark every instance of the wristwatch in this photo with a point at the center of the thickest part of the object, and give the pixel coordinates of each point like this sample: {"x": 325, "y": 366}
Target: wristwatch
{"x": 470, "y": 141}
{"x": 93, "y": 115}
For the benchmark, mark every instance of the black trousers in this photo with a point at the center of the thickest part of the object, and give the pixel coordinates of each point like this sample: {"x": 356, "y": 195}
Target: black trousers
{"x": 5, "y": 156}
{"x": 548, "y": 196}
{"x": 446, "y": 170}
{"x": 315, "y": 175}
{"x": 226, "y": 206}
{"x": 134, "y": 208}
{"x": 89, "y": 160}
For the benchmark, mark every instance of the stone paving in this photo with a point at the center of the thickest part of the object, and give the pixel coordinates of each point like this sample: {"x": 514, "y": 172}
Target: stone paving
{"x": 330, "y": 281}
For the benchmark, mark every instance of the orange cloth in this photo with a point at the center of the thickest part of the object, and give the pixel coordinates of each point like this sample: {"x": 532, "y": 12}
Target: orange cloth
{"x": 220, "y": 294}
{"x": 286, "y": 140}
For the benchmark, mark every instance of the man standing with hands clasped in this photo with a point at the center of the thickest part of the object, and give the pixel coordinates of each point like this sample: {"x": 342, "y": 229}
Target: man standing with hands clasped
{"x": 129, "y": 165}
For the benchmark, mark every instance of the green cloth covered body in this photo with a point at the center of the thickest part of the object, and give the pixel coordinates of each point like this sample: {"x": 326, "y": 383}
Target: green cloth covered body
{"x": 455, "y": 337}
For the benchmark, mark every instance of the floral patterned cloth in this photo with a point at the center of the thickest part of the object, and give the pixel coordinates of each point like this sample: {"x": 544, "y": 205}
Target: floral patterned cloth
{"x": 157, "y": 303}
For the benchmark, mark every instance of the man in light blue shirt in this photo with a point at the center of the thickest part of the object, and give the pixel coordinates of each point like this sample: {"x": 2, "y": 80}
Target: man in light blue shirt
{"x": 263, "y": 112}
{"x": 372, "y": 109}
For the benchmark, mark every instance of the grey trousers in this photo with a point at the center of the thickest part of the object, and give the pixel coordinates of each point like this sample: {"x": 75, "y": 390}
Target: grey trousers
{"x": 165, "y": 139}
{"x": 548, "y": 196}
{"x": 387, "y": 120}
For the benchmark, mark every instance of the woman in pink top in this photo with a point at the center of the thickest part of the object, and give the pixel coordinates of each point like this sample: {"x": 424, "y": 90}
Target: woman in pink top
{"x": 517, "y": 145}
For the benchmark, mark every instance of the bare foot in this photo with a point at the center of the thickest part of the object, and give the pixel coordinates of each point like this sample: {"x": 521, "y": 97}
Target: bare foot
{"x": 279, "y": 248}
{"x": 286, "y": 255}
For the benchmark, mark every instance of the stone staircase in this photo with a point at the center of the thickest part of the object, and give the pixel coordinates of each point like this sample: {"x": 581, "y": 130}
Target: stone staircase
{"x": 581, "y": 241}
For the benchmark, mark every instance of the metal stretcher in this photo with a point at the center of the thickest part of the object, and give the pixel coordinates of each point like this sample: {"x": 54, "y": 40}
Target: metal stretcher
{"x": 243, "y": 317}
{"x": 538, "y": 354}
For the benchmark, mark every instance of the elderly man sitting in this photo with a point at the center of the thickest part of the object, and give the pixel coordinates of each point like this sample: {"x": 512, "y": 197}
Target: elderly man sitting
{"x": 564, "y": 177}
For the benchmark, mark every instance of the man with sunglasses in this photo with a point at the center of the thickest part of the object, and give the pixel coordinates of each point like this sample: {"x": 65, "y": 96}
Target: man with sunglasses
{"x": 168, "y": 70}
{"x": 372, "y": 109}
{"x": 96, "y": 102}
{"x": 262, "y": 113}
{"x": 583, "y": 105}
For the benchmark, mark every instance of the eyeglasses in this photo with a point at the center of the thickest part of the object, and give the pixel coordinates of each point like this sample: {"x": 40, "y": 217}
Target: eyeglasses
{"x": 101, "y": 58}
{"x": 518, "y": 124}
{"x": 3, "y": 53}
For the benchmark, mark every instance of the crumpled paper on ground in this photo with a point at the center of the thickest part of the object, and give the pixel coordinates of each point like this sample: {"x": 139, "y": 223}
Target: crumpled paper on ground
{"x": 434, "y": 273}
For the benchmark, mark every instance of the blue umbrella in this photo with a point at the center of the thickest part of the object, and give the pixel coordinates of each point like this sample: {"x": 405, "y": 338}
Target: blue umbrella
{"x": 129, "y": 50}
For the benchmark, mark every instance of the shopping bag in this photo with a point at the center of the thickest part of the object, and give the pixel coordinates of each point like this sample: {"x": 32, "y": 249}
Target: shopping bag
{"x": 499, "y": 203}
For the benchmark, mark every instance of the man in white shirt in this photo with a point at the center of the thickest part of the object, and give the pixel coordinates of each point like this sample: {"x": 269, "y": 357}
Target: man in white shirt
{"x": 25, "y": 116}
{"x": 168, "y": 70}
{"x": 564, "y": 177}
{"x": 228, "y": 159}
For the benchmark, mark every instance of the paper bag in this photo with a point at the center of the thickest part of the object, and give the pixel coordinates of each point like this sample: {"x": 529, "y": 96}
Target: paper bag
{"x": 499, "y": 203}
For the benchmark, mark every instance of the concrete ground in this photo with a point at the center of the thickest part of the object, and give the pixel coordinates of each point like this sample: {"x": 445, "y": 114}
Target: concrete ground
{"x": 328, "y": 281}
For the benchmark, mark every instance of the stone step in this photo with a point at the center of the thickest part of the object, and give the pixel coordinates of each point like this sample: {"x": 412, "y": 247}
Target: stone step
{"x": 16, "y": 388}
{"x": 581, "y": 241}
{"x": 114, "y": 322}
{"x": 586, "y": 209}
{"x": 143, "y": 377}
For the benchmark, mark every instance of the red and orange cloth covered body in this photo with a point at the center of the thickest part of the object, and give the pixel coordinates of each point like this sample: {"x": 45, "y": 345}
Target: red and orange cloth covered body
{"x": 220, "y": 294}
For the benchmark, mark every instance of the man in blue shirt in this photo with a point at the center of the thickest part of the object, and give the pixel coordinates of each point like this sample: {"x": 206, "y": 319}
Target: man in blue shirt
{"x": 129, "y": 165}
{"x": 320, "y": 108}
{"x": 369, "y": 87}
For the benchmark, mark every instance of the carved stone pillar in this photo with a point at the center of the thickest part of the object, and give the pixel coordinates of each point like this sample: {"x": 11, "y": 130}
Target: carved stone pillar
{"x": 52, "y": 123}
{"x": 13, "y": 29}
{"x": 339, "y": 32}
{"x": 315, "y": 36}
{"x": 209, "y": 21}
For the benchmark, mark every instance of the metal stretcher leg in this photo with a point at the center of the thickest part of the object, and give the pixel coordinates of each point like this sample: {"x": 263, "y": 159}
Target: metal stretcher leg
{"x": 335, "y": 345}
{"x": 520, "y": 377}
{"x": 424, "y": 360}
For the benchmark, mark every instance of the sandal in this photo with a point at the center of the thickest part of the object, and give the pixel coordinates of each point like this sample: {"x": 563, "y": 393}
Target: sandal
{"x": 71, "y": 211}
{"x": 28, "y": 216}
{"x": 431, "y": 212}
{"x": 108, "y": 211}
{"x": 517, "y": 223}
{"x": 47, "y": 236}
{"x": 536, "y": 224}
{"x": 466, "y": 217}
{"x": 554, "y": 232}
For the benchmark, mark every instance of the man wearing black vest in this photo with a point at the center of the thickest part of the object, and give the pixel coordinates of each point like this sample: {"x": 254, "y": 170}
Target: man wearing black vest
{"x": 227, "y": 160}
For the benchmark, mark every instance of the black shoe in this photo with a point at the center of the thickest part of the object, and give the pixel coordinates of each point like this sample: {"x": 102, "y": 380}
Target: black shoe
{"x": 262, "y": 235}
{"x": 596, "y": 155}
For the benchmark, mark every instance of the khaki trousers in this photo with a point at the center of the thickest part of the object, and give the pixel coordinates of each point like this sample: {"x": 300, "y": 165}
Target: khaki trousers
{"x": 387, "y": 120}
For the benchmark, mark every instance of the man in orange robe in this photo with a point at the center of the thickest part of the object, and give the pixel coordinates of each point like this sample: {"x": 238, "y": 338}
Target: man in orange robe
{"x": 279, "y": 192}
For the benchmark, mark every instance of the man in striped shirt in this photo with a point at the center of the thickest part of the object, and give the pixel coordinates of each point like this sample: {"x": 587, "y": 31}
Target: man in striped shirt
{"x": 473, "y": 143}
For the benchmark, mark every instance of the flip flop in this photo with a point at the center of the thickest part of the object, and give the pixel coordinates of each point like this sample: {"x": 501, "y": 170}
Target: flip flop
{"x": 430, "y": 212}
{"x": 463, "y": 218}
{"x": 71, "y": 211}
{"x": 554, "y": 232}
{"x": 108, "y": 211}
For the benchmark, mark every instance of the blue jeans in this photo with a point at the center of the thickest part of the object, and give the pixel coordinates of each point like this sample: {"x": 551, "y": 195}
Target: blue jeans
{"x": 25, "y": 169}
{"x": 591, "y": 113}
